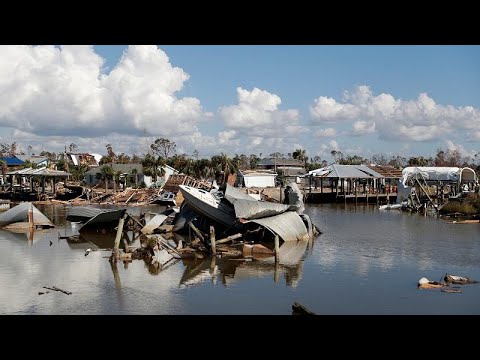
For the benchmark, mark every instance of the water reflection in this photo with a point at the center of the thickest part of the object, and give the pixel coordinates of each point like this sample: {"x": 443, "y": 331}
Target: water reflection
{"x": 31, "y": 237}
{"x": 228, "y": 270}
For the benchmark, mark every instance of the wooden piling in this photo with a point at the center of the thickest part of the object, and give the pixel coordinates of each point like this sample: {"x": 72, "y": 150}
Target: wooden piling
{"x": 212, "y": 240}
{"x": 30, "y": 217}
{"x": 115, "y": 253}
{"x": 277, "y": 246}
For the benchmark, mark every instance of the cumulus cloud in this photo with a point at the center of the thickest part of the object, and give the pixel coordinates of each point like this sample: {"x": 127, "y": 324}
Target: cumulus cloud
{"x": 460, "y": 148}
{"x": 363, "y": 127}
{"x": 257, "y": 112}
{"x": 51, "y": 90}
{"x": 421, "y": 119}
{"x": 327, "y": 132}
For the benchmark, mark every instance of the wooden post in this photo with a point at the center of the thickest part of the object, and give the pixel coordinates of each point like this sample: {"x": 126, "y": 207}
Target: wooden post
{"x": 277, "y": 245}
{"x": 199, "y": 234}
{"x": 30, "y": 217}
{"x": 212, "y": 240}
{"x": 115, "y": 253}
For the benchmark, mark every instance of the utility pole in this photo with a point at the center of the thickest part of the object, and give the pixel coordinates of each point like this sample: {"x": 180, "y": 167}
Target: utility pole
{"x": 275, "y": 161}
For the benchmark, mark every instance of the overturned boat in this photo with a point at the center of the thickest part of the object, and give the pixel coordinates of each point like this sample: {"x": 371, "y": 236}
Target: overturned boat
{"x": 20, "y": 214}
{"x": 209, "y": 204}
{"x": 233, "y": 208}
{"x": 90, "y": 216}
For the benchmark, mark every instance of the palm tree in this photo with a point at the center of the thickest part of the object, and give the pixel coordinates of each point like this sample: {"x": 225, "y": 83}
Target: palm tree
{"x": 300, "y": 155}
{"x": 116, "y": 177}
{"x": 223, "y": 165}
{"x": 134, "y": 172}
{"x": 106, "y": 174}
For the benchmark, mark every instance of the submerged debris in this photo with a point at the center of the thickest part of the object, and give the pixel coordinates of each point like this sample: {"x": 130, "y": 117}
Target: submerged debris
{"x": 460, "y": 280}
{"x": 299, "y": 309}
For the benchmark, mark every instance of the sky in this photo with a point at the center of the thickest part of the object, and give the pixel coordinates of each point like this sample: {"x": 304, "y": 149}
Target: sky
{"x": 360, "y": 100}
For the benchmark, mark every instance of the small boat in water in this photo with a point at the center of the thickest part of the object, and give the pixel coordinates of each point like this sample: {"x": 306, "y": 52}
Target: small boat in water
{"x": 167, "y": 198}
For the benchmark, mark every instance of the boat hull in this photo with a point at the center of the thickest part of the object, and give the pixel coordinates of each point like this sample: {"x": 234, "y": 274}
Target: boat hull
{"x": 205, "y": 204}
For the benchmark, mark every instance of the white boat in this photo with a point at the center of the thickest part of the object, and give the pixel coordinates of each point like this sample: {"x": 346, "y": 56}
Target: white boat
{"x": 167, "y": 198}
{"x": 208, "y": 204}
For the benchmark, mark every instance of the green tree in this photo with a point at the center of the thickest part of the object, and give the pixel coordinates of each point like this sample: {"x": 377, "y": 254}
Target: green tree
{"x": 106, "y": 173}
{"x": 253, "y": 161}
{"x": 223, "y": 166}
{"x": 134, "y": 173}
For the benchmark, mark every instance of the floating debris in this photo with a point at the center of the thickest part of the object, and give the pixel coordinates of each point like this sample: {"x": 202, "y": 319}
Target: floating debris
{"x": 54, "y": 288}
{"x": 424, "y": 283}
{"x": 459, "y": 280}
{"x": 455, "y": 291}
{"x": 299, "y": 309}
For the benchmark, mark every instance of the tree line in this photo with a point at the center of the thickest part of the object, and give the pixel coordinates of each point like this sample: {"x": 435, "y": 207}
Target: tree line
{"x": 163, "y": 152}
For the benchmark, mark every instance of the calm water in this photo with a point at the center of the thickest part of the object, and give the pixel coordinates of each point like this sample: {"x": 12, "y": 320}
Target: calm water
{"x": 366, "y": 262}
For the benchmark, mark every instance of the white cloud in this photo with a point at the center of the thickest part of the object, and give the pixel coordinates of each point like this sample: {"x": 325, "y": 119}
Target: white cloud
{"x": 334, "y": 145}
{"x": 327, "y": 132}
{"x": 460, "y": 148}
{"x": 257, "y": 113}
{"x": 226, "y": 136}
{"x": 394, "y": 119}
{"x": 363, "y": 127}
{"x": 51, "y": 90}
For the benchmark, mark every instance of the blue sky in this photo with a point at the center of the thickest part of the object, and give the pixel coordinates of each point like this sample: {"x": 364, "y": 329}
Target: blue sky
{"x": 360, "y": 100}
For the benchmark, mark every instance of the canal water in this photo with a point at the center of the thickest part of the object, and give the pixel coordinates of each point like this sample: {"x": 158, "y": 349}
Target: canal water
{"x": 366, "y": 261}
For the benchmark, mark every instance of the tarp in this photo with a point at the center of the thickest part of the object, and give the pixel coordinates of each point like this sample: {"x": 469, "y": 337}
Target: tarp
{"x": 441, "y": 173}
{"x": 288, "y": 226}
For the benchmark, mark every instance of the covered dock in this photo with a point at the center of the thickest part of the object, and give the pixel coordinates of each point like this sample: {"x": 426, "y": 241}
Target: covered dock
{"x": 39, "y": 181}
{"x": 358, "y": 183}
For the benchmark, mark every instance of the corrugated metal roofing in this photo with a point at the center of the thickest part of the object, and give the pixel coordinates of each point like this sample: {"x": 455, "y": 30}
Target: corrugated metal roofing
{"x": 289, "y": 226}
{"x": 246, "y": 207}
{"x": 347, "y": 171}
{"x": 39, "y": 172}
